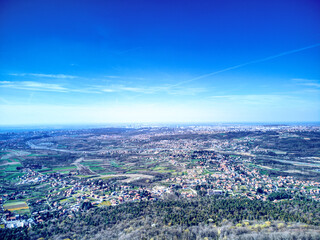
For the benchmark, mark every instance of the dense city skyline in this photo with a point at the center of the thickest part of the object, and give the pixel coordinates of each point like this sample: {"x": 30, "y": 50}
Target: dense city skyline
{"x": 65, "y": 62}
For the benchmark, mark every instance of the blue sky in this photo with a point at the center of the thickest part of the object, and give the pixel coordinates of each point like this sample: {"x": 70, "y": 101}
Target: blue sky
{"x": 120, "y": 61}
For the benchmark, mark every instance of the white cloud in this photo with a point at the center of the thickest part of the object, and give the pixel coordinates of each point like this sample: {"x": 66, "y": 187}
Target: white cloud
{"x": 185, "y": 91}
{"x": 122, "y": 88}
{"x": 86, "y": 90}
{"x": 5, "y": 101}
{"x": 256, "y": 99}
{"x": 34, "y": 86}
{"x": 307, "y": 82}
{"x": 113, "y": 77}
{"x": 124, "y": 77}
{"x": 45, "y": 87}
{"x": 108, "y": 90}
{"x": 154, "y": 89}
{"x": 114, "y": 88}
{"x": 40, "y": 75}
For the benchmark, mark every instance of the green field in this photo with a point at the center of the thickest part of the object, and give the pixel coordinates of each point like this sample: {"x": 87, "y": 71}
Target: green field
{"x": 87, "y": 176}
{"x": 11, "y": 176}
{"x": 63, "y": 168}
{"x": 108, "y": 173}
{"x": 114, "y": 164}
{"x": 205, "y": 171}
{"x": 97, "y": 168}
{"x": 90, "y": 163}
{"x": 161, "y": 169}
{"x": 196, "y": 160}
{"x": 10, "y": 168}
{"x": 42, "y": 155}
{"x": 43, "y": 169}
{"x": 157, "y": 168}
{"x": 15, "y": 205}
{"x": 49, "y": 172}
{"x": 56, "y": 169}
{"x": 10, "y": 172}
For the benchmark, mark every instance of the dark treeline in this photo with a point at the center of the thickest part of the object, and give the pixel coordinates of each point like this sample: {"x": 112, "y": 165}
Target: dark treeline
{"x": 184, "y": 213}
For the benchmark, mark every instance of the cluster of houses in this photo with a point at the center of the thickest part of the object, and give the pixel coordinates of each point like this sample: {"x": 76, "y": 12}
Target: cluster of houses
{"x": 236, "y": 178}
{"x": 207, "y": 171}
{"x": 11, "y": 220}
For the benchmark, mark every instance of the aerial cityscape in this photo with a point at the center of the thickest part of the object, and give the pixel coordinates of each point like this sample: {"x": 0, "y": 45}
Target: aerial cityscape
{"x": 136, "y": 119}
{"x": 54, "y": 176}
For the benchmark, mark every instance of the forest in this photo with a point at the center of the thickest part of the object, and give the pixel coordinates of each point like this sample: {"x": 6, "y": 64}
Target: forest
{"x": 200, "y": 218}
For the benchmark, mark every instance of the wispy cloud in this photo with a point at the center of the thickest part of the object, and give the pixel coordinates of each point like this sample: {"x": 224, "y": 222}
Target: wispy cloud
{"x": 47, "y": 87}
{"x": 109, "y": 90}
{"x": 34, "y": 86}
{"x": 120, "y": 87}
{"x": 3, "y": 100}
{"x": 123, "y": 88}
{"x": 124, "y": 77}
{"x": 248, "y": 63}
{"x": 307, "y": 82}
{"x": 40, "y": 75}
{"x": 113, "y": 77}
{"x": 98, "y": 89}
{"x": 154, "y": 89}
{"x": 254, "y": 99}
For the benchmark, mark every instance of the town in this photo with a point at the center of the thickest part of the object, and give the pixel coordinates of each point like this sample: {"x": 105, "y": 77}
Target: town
{"x": 50, "y": 174}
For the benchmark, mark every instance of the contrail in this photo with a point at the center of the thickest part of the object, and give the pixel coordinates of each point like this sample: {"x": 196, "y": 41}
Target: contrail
{"x": 247, "y": 63}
